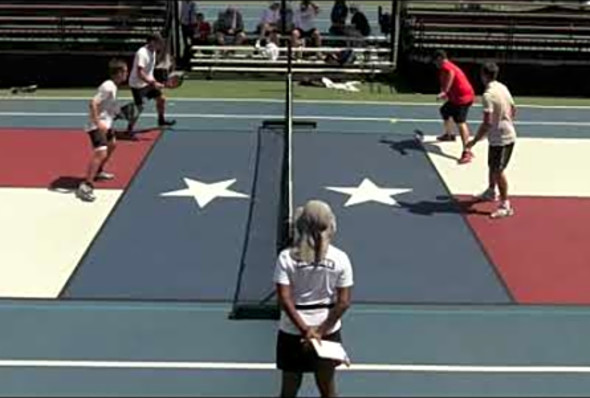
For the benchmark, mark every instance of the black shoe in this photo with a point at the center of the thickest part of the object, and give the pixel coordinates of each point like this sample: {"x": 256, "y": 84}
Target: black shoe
{"x": 166, "y": 123}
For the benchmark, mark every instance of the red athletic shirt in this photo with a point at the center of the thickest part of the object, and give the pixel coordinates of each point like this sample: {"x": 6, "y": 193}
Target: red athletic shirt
{"x": 461, "y": 91}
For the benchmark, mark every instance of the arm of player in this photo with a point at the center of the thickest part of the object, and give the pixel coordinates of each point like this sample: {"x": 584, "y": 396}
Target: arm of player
{"x": 483, "y": 129}
{"x": 288, "y": 305}
{"x": 336, "y": 313}
{"x": 144, "y": 76}
{"x": 446, "y": 83}
{"x": 343, "y": 294}
{"x": 93, "y": 107}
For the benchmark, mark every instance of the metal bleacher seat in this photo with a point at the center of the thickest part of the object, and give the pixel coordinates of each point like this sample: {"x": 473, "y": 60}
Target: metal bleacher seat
{"x": 548, "y": 32}
{"x": 99, "y": 27}
{"x": 372, "y": 53}
{"x": 247, "y": 59}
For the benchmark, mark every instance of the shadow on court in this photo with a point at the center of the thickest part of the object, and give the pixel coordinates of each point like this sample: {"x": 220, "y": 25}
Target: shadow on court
{"x": 65, "y": 184}
{"x": 404, "y": 146}
{"x": 443, "y": 204}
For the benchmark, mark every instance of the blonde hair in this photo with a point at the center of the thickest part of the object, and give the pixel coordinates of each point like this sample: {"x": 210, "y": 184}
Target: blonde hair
{"x": 315, "y": 225}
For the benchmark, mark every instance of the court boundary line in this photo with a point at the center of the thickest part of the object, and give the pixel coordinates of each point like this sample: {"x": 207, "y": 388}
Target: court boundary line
{"x": 266, "y": 366}
{"x": 416, "y": 309}
{"x": 105, "y": 222}
{"x": 478, "y": 242}
{"x": 310, "y": 101}
{"x": 245, "y": 116}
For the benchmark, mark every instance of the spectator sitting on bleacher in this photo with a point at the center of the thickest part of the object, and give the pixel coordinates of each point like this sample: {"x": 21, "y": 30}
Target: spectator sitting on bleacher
{"x": 270, "y": 19}
{"x": 359, "y": 21}
{"x": 230, "y": 24}
{"x": 338, "y": 16}
{"x": 201, "y": 31}
{"x": 304, "y": 20}
{"x": 269, "y": 45}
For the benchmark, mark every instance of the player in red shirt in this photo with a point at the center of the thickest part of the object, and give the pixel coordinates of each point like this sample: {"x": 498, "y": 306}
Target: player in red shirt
{"x": 459, "y": 95}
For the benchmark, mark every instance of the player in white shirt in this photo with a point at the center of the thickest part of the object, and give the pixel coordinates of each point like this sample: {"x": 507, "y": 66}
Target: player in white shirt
{"x": 313, "y": 281}
{"x": 103, "y": 109}
{"x": 142, "y": 81}
{"x": 499, "y": 112}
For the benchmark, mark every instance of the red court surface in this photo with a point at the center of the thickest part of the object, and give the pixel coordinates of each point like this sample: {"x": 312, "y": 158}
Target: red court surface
{"x": 543, "y": 251}
{"x": 58, "y": 158}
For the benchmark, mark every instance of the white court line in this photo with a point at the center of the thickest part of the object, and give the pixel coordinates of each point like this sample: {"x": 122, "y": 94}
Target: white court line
{"x": 314, "y": 117}
{"x": 245, "y": 366}
{"x": 280, "y": 101}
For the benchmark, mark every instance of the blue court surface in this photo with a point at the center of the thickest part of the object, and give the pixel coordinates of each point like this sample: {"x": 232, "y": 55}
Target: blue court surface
{"x": 146, "y": 311}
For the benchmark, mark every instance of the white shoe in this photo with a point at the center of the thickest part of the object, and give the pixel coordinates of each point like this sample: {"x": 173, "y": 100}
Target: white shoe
{"x": 85, "y": 192}
{"x": 488, "y": 195}
{"x": 104, "y": 176}
{"x": 502, "y": 212}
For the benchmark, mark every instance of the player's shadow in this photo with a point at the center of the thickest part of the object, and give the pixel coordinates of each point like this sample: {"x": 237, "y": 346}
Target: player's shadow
{"x": 403, "y": 147}
{"x": 65, "y": 184}
{"x": 123, "y": 135}
{"x": 443, "y": 204}
{"x": 416, "y": 144}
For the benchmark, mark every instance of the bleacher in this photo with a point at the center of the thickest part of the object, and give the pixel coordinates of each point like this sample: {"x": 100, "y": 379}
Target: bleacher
{"x": 69, "y": 42}
{"x": 372, "y": 54}
{"x": 107, "y": 27}
{"x": 509, "y": 32}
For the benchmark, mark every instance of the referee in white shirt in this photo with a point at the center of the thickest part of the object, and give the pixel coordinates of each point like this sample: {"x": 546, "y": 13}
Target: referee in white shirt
{"x": 142, "y": 82}
{"x": 313, "y": 281}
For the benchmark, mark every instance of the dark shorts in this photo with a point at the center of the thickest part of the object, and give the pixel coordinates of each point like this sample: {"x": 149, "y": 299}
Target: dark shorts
{"x": 457, "y": 112}
{"x": 148, "y": 92}
{"x": 499, "y": 157}
{"x": 99, "y": 140}
{"x": 297, "y": 357}
{"x": 306, "y": 34}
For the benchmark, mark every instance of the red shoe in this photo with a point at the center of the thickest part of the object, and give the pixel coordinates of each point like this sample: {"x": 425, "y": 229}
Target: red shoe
{"x": 466, "y": 157}
{"x": 446, "y": 137}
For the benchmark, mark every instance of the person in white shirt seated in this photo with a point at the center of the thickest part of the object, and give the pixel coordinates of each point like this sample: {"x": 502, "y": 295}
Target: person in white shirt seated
{"x": 268, "y": 46}
{"x": 270, "y": 19}
{"x": 313, "y": 282}
{"x": 305, "y": 27}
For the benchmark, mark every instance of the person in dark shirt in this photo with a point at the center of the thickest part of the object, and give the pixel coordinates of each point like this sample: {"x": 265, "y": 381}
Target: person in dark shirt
{"x": 359, "y": 21}
{"x": 338, "y": 17}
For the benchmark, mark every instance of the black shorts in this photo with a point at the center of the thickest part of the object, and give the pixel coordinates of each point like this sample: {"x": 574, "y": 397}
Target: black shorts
{"x": 499, "y": 157}
{"x": 148, "y": 92}
{"x": 99, "y": 140}
{"x": 306, "y": 34}
{"x": 457, "y": 112}
{"x": 295, "y": 356}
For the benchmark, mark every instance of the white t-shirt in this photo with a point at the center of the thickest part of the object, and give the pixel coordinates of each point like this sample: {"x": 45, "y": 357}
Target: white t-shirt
{"x": 147, "y": 60}
{"x": 270, "y": 16}
{"x": 305, "y": 20}
{"x": 269, "y": 51}
{"x": 313, "y": 284}
{"x": 107, "y": 105}
{"x": 498, "y": 101}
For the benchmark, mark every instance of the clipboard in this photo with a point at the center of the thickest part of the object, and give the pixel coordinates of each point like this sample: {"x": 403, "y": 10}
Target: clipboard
{"x": 331, "y": 350}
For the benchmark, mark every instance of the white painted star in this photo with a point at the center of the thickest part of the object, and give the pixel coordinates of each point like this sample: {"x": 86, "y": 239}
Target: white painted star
{"x": 204, "y": 193}
{"x": 368, "y": 191}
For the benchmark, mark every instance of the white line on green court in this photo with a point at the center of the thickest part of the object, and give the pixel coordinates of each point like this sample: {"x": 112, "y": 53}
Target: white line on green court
{"x": 334, "y": 118}
{"x": 252, "y": 366}
{"x": 297, "y": 101}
